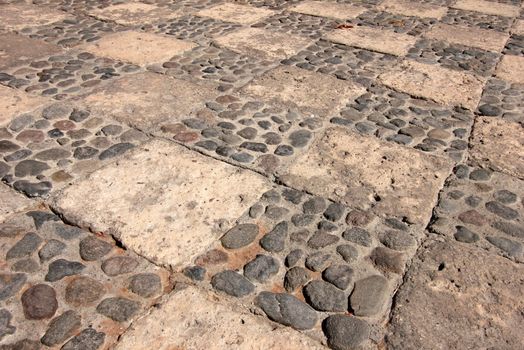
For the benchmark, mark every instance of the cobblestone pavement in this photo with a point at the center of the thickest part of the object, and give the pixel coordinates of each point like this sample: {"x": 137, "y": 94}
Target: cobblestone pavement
{"x": 261, "y": 174}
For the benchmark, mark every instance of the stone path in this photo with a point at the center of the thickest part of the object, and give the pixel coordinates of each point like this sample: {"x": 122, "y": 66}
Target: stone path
{"x": 261, "y": 174}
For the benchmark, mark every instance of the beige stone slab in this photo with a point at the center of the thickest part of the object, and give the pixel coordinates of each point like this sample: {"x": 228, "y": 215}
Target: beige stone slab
{"x": 145, "y": 100}
{"x": 487, "y": 7}
{"x": 489, "y": 40}
{"x": 191, "y": 319}
{"x": 11, "y": 202}
{"x": 413, "y": 8}
{"x": 499, "y": 144}
{"x": 19, "y": 16}
{"x": 236, "y": 13}
{"x": 365, "y": 172}
{"x": 312, "y": 92}
{"x": 135, "y": 13}
{"x": 433, "y": 82}
{"x": 262, "y": 43}
{"x": 16, "y": 50}
{"x": 164, "y": 201}
{"x": 457, "y": 296}
{"x": 511, "y": 68}
{"x": 14, "y": 102}
{"x": 379, "y": 40}
{"x": 139, "y": 48}
{"x": 518, "y": 27}
{"x": 328, "y": 9}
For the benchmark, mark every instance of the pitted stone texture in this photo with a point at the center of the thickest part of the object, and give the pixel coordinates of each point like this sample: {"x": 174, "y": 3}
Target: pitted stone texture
{"x": 489, "y": 40}
{"x": 487, "y": 7}
{"x": 299, "y": 88}
{"x": 511, "y": 69}
{"x": 20, "y": 16}
{"x": 262, "y": 43}
{"x": 483, "y": 208}
{"x": 138, "y": 48}
{"x": 18, "y": 50}
{"x": 383, "y": 178}
{"x": 235, "y": 13}
{"x": 373, "y": 39}
{"x": 213, "y": 325}
{"x": 13, "y": 103}
{"x": 441, "y": 85}
{"x": 334, "y": 10}
{"x": 408, "y": 8}
{"x": 12, "y": 202}
{"x": 164, "y": 99}
{"x": 134, "y": 13}
{"x": 447, "y": 282}
{"x": 499, "y": 145}
{"x": 153, "y": 201}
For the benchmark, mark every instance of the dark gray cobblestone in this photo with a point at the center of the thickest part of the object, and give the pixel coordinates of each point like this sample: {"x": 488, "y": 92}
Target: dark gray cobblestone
{"x": 77, "y": 6}
{"x": 400, "y": 118}
{"x": 477, "y": 19}
{"x": 79, "y": 308}
{"x": 400, "y": 24}
{"x": 502, "y": 99}
{"x": 270, "y": 4}
{"x": 299, "y": 24}
{"x": 483, "y": 208}
{"x": 515, "y": 45}
{"x": 44, "y": 150}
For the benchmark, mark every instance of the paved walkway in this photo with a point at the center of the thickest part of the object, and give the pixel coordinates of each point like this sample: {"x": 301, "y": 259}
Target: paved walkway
{"x": 261, "y": 174}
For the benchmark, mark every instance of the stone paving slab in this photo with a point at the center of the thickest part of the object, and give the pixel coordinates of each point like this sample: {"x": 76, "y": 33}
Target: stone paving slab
{"x": 373, "y": 39}
{"x": 17, "y": 50}
{"x": 487, "y": 7}
{"x": 451, "y": 300}
{"x": 20, "y": 16}
{"x": 134, "y": 13}
{"x": 518, "y": 27}
{"x": 499, "y": 145}
{"x": 138, "y": 48}
{"x": 442, "y": 85}
{"x": 12, "y": 202}
{"x": 191, "y": 319}
{"x": 368, "y": 173}
{"x": 408, "y": 8}
{"x": 334, "y": 10}
{"x": 511, "y": 69}
{"x": 13, "y": 102}
{"x": 481, "y": 38}
{"x": 169, "y": 214}
{"x": 235, "y": 13}
{"x": 291, "y": 86}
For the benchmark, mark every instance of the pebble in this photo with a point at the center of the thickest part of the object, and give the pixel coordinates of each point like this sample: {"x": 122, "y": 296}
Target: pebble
{"x": 83, "y": 291}
{"x": 317, "y": 261}
{"x": 25, "y": 265}
{"x": 293, "y": 257}
{"x": 300, "y": 138}
{"x": 472, "y": 217}
{"x": 334, "y": 212}
{"x": 92, "y": 248}
{"x": 347, "y": 252}
{"x": 324, "y": 296}
{"x": 115, "y": 150}
{"x": 509, "y": 228}
{"x": 33, "y": 189}
{"x": 358, "y": 236}
{"x": 39, "y": 302}
{"x": 388, "y": 260}
{"x": 232, "y": 283}
{"x": 322, "y": 240}
{"x": 118, "y": 309}
{"x": 287, "y": 310}
{"x": 24, "y": 247}
{"x": 67, "y": 232}
{"x": 512, "y": 248}
{"x": 505, "y": 197}
{"x": 397, "y": 240}
{"x": 501, "y": 210}
{"x": 339, "y": 275}
{"x": 261, "y": 269}
{"x": 119, "y": 265}
{"x": 466, "y": 236}
{"x": 239, "y": 236}
{"x": 295, "y": 278}
{"x": 345, "y": 332}
{"x": 369, "y": 295}
{"x": 10, "y": 284}
{"x": 314, "y": 205}
{"x": 86, "y": 152}
{"x": 196, "y": 273}
{"x": 88, "y": 339}
{"x": 5, "y": 324}
{"x": 30, "y": 168}
{"x": 292, "y": 195}
{"x": 275, "y": 240}
{"x": 145, "y": 284}
{"x": 61, "y": 328}
{"x": 212, "y": 257}
{"x": 275, "y": 213}
{"x": 480, "y": 175}
{"x": 61, "y": 268}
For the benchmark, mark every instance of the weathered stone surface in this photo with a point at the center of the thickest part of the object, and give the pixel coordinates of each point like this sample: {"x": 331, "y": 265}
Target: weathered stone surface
{"x": 14, "y": 102}
{"x": 150, "y": 218}
{"x": 410, "y": 8}
{"x": 61, "y": 268}
{"x": 489, "y": 40}
{"x": 61, "y": 328}
{"x": 134, "y": 13}
{"x": 499, "y": 144}
{"x": 165, "y": 99}
{"x": 12, "y": 202}
{"x": 324, "y": 296}
{"x": 510, "y": 69}
{"x": 39, "y": 302}
{"x": 119, "y": 265}
{"x": 232, "y": 283}
{"x": 430, "y": 81}
{"x": 92, "y": 248}
{"x": 20, "y": 16}
{"x": 518, "y": 27}
{"x": 379, "y": 40}
{"x": 262, "y": 268}
{"x": 287, "y": 310}
{"x": 487, "y": 7}
{"x": 240, "y": 236}
{"x": 261, "y": 43}
{"x": 145, "y": 284}
{"x": 447, "y": 282}
{"x": 313, "y": 92}
{"x": 17, "y": 49}
{"x": 236, "y": 13}
{"x": 138, "y": 48}
{"x": 369, "y": 296}
{"x": 24, "y": 247}
{"x": 355, "y": 170}
{"x": 190, "y": 319}
{"x": 83, "y": 291}
{"x": 10, "y": 284}
{"x": 345, "y": 332}
{"x": 88, "y": 339}
{"x": 118, "y": 309}
{"x": 328, "y": 9}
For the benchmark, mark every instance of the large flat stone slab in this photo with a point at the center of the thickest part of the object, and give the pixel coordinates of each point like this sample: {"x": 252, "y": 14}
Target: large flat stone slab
{"x": 236, "y": 13}
{"x": 518, "y": 27}
{"x": 139, "y": 48}
{"x": 489, "y": 40}
{"x": 192, "y": 319}
{"x": 16, "y": 50}
{"x": 12, "y": 201}
{"x": 135, "y": 13}
{"x": 413, "y": 8}
{"x": 309, "y": 91}
{"x": 499, "y": 144}
{"x": 373, "y": 39}
{"x": 365, "y": 172}
{"x": 264, "y": 44}
{"x": 439, "y": 84}
{"x": 14, "y": 102}
{"x": 328, "y": 9}
{"x": 19, "y": 16}
{"x": 146, "y": 100}
{"x": 163, "y": 201}
{"x": 450, "y": 300}
{"x": 487, "y": 7}
{"x": 511, "y": 68}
